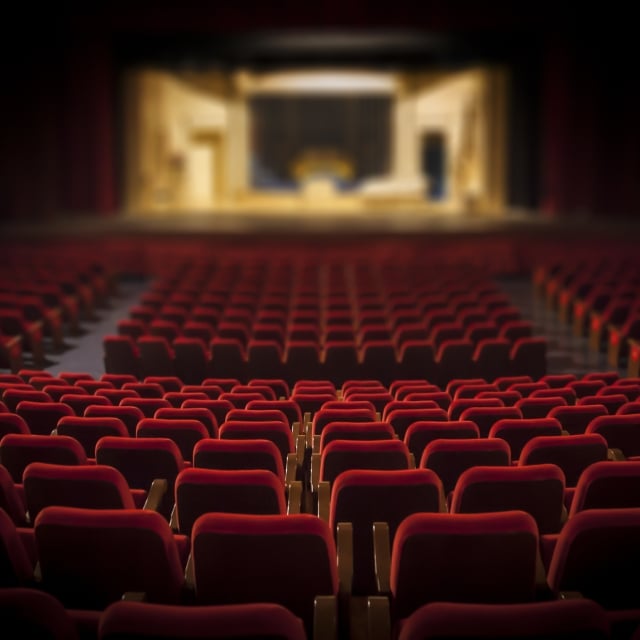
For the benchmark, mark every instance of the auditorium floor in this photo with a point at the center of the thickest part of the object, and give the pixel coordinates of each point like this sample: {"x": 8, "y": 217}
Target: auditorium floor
{"x": 566, "y": 353}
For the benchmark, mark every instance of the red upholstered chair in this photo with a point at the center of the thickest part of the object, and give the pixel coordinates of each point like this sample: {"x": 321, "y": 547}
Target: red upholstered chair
{"x": 344, "y": 430}
{"x": 557, "y": 619}
{"x": 536, "y": 489}
{"x": 130, "y": 416}
{"x": 573, "y": 454}
{"x": 13, "y": 396}
{"x": 12, "y": 499}
{"x": 611, "y": 402}
{"x": 16, "y": 565}
{"x": 288, "y": 406}
{"x": 79, "y": 402}
{"x": 88, "y": 486}
{"x": 421, "y": 433}
{"x": 90, "y": 557}
{"x": 12, "y": 423}
{"x": 362, "y": 497}
{"x": 88, "y": 430}
{"x": 143, "y": 460}
{"x": 539, "y": 407}
{"x": 450, "y": 458}
{"x": 291, "y": 558}
{"x": 33, "y": 613}
{"x": 194, "y": 413}
{"x": 167, "y": 383}
{"x": 18, "y": 450}
{"x": 146, "y": 389}
{"x": 252, "y": 621}
{"x": 597, "y": 555}
{"x": 192, "y": 359}
{"x": 148, "y": 406}
{"x": 121, "y": 355}
{"x": 457, "y": 407}
{"x": 518, "y": 432}
{"x": 185, "y": 433}
{"x": 575, "y": 418}
{"x": 118, "y": 379}
{"x": 454, "y": 557}
{"x": 324, "y": 416}
{"x": 402, "y": 419}
{"x": 622, "y": 432}
{"x": 607, "y": 485}
{"x": 199, "y": 491}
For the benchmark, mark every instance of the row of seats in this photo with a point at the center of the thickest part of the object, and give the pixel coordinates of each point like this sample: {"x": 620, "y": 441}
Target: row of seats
{"x": 89, "y": 558}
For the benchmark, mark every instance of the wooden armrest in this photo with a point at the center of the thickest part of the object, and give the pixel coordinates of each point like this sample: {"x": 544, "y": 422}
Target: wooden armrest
{"x": 173, "y": 520}
{"x": 412, "y": 461}
{"x": 315, "y": 443}
{"x": 324, "y": 499}
{"x": 344, "y": 545}
{"x": 315, "y": 471}
{"x": 301, "y": 445}
{"x": 291, "y": 471}
{"x": 294, "y": 497}
{"x": 615, "y": 454}
{"x": 382, "y": 556}
{"x": 159, "y": 487}
{"x": 325, "y": 618}
{"x": 189, "y": 574}
{"x": 378, "y": 618}
{"x": 134, "y": 596}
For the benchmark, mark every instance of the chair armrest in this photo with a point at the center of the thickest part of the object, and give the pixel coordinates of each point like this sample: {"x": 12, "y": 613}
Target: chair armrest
{"x": 378, "y": 618}
{"x": 570, "y": 595}
{"x": 344, "y": 546}
{"x": 291, "y": 471}
{"x": 189, "y": 574}
{"x": 315, "y": 444}
{"x": 382, "y": 556}
{"x": 615, "y": 454}
{"x": 324, "y": 500}
{"x": 325, "y": 618}
{"x": 412, "y": 461}
{"x": 173, "y": 520}
{"x": 134, "y": 596}
{"x": 156, "y": 493}
{"x": 301, "y": 445}
{"x": 315, "y": 471}
{"x": 294, "y": 497}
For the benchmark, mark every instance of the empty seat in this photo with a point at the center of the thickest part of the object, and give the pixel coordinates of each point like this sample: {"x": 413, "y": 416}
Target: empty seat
{"x": 121, "y": 355}
{"x": 485, "y": 417}
{"x": 479, "y": 558}
{"x": 199, "y": 491}
{"x": 622, "y": 432}
{"x": 291, "y": 558}
{"x": 253, "y": 621}
{"x": 536, "y": 489}
{"x": 194, "y": 413}
{"x": 518, "y": 432}
{"x": 90, "y": 557}
{"x": 575, "y": 419}
{"x": 597, "y": 555}
{"x": 88, "y": 430}
{"x": 450, "y": 458}
{"x": 362, "y": 497}
{"x": 555, "y": 619}
{"x": 12, "y": 423}
{"x": 421, "y": 433}
{"x": 185, "y": 433}
{"x": 18, "y": 450}
{"x": 143, "y": 460}
{"x": 130, "y": 416}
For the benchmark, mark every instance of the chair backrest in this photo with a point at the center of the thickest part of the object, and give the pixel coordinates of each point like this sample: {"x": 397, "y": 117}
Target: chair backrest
{"x": 341, "y": 455}
{"x": 291, "y": 559}
{"x": 454, "y": 557}
{"x": 32, "y": 613}
{"x": 87, "y": 486}
{"x": 289, "y": 407}
{"x": 421, "y": 433}
{"x": 363, "y": 497}
{"x": 608, "y": 485}
{"x": 90, "y": 557}
{"x": 16, "y": 567}
{"x": 555, "y": 619}
{"x": 518, "y": 432}
{"x": 88, "y": 430}
{"x": 536, "y": 489}
{"x": 185, "y": 433}
{"x": 141, "y": 461}
{"x": 573, "y": 454}
{"x": 18, "y": 450}
{"x": 277, "y": 431}
{"x": 576, "y": 418}
{"x": 130, "y": 416}
{"x": 42, "y": 417}
{"x": 148, "y": 406}
{"x": 620, "y": 431}
{"x": 356, "y": 431}
{"x": 13, "y": 423}
{"x": 13, "y": 396}
{"x": 199, "y": 491}
{"x": 194, "y": 413}
{"x": 596, "y": 553}
{"x": 402, "y": 419}
{"x": 239, "y": 454}
{"x": 252, "y": 621}
{"x": 449, "y": 458}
